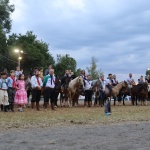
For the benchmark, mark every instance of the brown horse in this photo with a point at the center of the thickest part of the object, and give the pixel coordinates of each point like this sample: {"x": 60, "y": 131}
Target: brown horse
{"x": 73, "y": 87}
{"x": 116, "y": 90}
{"x": 139, "y": 91}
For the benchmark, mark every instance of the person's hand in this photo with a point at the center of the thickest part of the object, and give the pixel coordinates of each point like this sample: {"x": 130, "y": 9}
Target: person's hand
{"x": 38, "y": 87}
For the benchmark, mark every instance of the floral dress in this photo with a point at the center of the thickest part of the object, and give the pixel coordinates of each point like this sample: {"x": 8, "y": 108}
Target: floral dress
{"x": 21, "y": 94}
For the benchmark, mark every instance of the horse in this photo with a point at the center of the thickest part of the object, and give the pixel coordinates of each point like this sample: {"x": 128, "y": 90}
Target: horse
{"x": 138, "y": 91}
{"x": 74, "y": 86}
{"x": 96, "y": 86}
{"x": 123, "y": 93}
{"x": 115, "y": 90}
{"x": 64, "y": 90}
{"x": 57, "y": 90}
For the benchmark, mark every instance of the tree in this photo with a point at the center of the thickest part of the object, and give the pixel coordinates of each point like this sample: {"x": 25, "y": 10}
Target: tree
{"x": 92, "y": 70}
{"x": 36, "y": 53}
{"x": 63, "y": 63}
{"x": 5, "y": 11}
{"x": 147, "y": 71}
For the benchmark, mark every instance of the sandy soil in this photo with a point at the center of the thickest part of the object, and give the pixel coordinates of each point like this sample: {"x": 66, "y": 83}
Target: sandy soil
{"x": 133, "y": 136}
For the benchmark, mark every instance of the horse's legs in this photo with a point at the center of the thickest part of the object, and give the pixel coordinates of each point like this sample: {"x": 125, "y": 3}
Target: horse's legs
{"x": 136, "y": 100}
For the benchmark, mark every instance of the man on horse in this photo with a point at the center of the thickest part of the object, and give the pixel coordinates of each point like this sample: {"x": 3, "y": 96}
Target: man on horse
{"x": 109, "y": 82}
{"x": 130, "y": 82}
{"x": 66, "y": 79}
{"x": 141, "y": 81}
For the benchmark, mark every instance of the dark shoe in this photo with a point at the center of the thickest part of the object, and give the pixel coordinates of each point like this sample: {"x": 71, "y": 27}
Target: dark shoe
{"x": 52, "y": 106}
{"x": 32, "y": 105}
{"x": 37, "y": 106}
{"x": 5, "y": 108}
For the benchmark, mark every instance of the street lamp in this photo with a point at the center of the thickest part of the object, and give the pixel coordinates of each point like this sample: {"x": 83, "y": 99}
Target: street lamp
{"x": 19, "y": 57}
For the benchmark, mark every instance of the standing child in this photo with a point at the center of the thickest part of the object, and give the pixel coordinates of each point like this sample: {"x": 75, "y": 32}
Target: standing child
{"x": 11, "y": 90}
{"x": 3, "y": 92}
{"x": 21, "y": 94}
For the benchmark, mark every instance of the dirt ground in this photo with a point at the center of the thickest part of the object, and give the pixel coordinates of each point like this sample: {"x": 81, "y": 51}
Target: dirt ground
{"x": 124, "y": 136}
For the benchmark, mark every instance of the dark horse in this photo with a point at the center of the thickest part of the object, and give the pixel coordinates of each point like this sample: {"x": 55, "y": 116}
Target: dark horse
{"x": 64, "y": 90}
{"x": 57, "y": 90}
{"x": 138, "y": 91}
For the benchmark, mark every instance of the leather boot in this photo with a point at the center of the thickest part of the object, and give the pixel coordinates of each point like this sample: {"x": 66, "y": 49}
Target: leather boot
{"x": 37, "y": 106}
{"x": 32, "y": 105}
{"x": 2, "y": 107}
{"x": 52, "y": 106}
{"x": 46, "y": 104}
{"x": 12, "y": 107}
{"x": 5, "y": 108}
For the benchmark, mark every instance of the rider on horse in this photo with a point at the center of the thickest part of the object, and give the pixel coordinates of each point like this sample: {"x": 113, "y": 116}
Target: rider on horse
{"x": 130, "y": 82}
{"x": 109, "y": 82}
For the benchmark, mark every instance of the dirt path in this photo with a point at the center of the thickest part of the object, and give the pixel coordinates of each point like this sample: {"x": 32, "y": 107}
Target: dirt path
{"x": 106, "y": 137}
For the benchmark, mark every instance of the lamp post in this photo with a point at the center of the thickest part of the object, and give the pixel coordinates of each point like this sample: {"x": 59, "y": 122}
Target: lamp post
{"x": 19, "y": 57}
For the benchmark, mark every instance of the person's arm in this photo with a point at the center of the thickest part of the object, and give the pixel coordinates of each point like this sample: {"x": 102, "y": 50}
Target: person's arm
{"x": 45, "y": 81}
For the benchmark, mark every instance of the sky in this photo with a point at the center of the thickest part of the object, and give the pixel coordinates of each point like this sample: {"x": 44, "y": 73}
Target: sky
{"x": 115, "y": 32}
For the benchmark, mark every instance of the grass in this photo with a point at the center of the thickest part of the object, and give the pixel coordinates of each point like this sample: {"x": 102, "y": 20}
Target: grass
{"x": 77, "y": 115}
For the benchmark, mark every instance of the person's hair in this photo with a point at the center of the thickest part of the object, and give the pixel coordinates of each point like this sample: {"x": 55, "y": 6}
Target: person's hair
{"x": 12, "y": 71}
{"x": 3, "y": 73}
{"x": 19, "y": 78}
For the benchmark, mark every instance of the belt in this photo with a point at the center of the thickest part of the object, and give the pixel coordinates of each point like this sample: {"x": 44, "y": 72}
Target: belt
{"x": 48, "y": 88}
{"x": 3, "y": 89}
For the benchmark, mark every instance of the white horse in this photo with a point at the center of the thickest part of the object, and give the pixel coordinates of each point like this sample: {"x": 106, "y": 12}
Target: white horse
{"x": 74, "y": 86}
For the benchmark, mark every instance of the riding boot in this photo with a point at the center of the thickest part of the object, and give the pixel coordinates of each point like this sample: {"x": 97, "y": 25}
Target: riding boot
{"x": 5, "y": 108}
{"x": 2, "y": 107}
{"x": 32, "y": 105}
{"x": 37, "y": 106}
{"x": 52, "y": 106}
{"x": 12, "y": 107}
{"x": 45, "y": 105}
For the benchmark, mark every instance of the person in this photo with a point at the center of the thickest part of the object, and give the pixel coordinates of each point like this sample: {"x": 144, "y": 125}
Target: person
{"x": 72, "y": 76}
{"x": 114, "y": 82}
{"x": 102, "y": 89}
{"x": 28, "y": 87}
{"x": 109, "y": 82}
{"x": 67, "y": 73}
{"x": 49, "y": 85}
{"x": 66, "y": 79}
{"x": 41, "y": 73}
{"x": 83, "y": 74}
{"x": 3, "y": 92}
{"x": 21, "y": 94}
{"x": 17, "y": 72}
{"x": 11, "y": 90}
{"x": 36, "y": 84}
{"x": 147, "y": 79}
{"x": 130, "y": 82}
{"x": 140, "y": 81}
{"x": 48, "y": 70}
{"x": 88, "y": 91}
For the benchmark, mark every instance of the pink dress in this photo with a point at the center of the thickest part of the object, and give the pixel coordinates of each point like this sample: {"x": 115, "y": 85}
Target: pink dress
{"x": 21, "y": 94}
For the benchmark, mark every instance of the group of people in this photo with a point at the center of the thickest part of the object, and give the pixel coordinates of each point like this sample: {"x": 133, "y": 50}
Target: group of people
{"x": 16, "y": 89}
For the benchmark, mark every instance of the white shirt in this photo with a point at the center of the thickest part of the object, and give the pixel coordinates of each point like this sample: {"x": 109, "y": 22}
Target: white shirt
{"x": 48, "y": 83}
{"x": 130, "y": 79}
{"x": 108, "y": 82}
{"x": 88, "y": 84}
{"x": 34, "y": 82}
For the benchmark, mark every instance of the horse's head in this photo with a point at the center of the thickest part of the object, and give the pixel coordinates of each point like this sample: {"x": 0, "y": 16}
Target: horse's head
{"x": 81, "y": 82}
{"x": 125, "y": 84}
